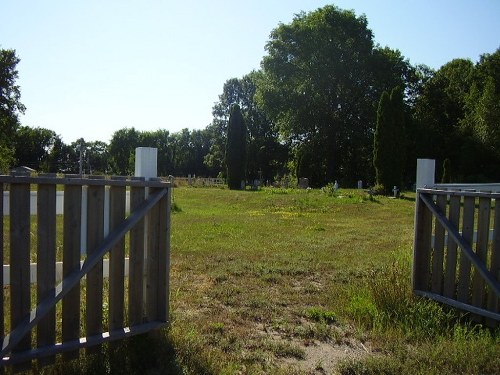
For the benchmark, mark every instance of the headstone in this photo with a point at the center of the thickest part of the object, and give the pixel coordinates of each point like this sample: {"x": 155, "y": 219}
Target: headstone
{"x": 303, "y": 183}
{"x": 285, "y": 182}
{"x": 360, "y": 184}
{"x": 395, "y": 190}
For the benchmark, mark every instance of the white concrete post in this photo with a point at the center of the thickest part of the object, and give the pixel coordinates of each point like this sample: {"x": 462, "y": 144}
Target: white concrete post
{"x": 426, "y": 169}
{"x": 146, "y": 162}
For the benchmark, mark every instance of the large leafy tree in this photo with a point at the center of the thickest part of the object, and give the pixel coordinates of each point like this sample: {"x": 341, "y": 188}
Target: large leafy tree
{"x": 63, "y": 158}
{"x": 236, "y": 148}
{"x": 33, "y": 147}
{"x": 440, "y": 108}
{"x": 161, "y": 140}
{"x": 97, "y": 157}
{"x": 122, "y": 148}
{"x": 322, "y": 79}
{"x": 456, "y": 117}
{"x": 190, "y": 148}
{"x": 10, "y": 106}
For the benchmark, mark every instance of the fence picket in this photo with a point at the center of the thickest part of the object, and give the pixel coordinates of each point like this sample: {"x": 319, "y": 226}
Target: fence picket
{"x": 164, "y": 258}
{"x": 2, "y": 328}
{"x": 422, "y": 246}
{"x": 136, "y": 262}
{"x": 95, "y": 236}
{"x": 117, "y": 196}
{"x": 20, "y": 298}
{"x": 438, "y": 252}
{"x": 46, "y": 263}
{"x": 483, "y": 229}
{"x": 71, "y": 261}
{"x": 451, "y": 250}
{"x": 493, "y": 300}
{"x": 152, "y": 264}
{"x": 463, "y": 292}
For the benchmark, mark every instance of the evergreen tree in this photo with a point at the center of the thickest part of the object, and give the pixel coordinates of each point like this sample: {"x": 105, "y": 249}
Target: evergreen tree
{"x": 389, "y": 140}
{"x": 236, "y": 148}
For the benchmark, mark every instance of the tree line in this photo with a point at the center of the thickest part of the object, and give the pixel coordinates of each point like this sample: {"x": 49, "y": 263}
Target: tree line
{"x": 328, "y": 103}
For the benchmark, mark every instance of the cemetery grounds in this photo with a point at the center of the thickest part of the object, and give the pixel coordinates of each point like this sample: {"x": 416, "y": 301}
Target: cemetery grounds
{"x": 288, "y": 281}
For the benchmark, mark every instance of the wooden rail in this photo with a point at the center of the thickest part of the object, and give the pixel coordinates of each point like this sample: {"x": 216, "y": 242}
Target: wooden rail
{"x": 149, "y": 228}
{"x": 451, "y": 265}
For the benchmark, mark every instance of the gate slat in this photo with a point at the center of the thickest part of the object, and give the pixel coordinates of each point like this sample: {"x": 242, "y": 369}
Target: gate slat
{"x": 20, "y": 256}
{"x": 493, "y": 300}
{"x": 71, "y": 261}
{"x": 20, "y": 298}
{"x": 153, "y": 262}
{"x": 164, "y": 258}
{"x": 451, "y": 252}
{"x": 95, "y": 236}
{"x": 438, "y": 253}
{"x": 463, "y": 291}
{"x": 116, "y": 259}
{"x": 483, "y": 231}
{"x": 136, "y": 261}
{"x": 422, "y": 245}
{"x": 2, "y": 327}
{"x": 46, "y": 263}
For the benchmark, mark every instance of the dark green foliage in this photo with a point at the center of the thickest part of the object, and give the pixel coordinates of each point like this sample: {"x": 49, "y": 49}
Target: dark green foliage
{"x": 322, "y": 78}
{"x": 389, "y": 142}
{"x": 266, "y": 155}
{"x": 456, "y": 116}
{"x": 10, "y": 107}
{"x": 236, "y": 148}
{"x": 34, "y": 146}
{"x": 446, "y": 179}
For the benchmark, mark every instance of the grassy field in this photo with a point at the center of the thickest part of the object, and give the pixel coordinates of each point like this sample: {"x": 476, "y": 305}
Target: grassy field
{"x": 294, "y": 281}
{"x": 298, "y": 282}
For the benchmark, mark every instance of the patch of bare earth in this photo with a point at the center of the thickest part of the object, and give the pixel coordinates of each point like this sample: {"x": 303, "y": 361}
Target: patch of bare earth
{"x": 323, "y": 358}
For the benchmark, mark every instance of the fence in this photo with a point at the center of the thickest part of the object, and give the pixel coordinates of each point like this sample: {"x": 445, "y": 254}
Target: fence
{"x": 457, "y": 250}
{"x": 200, "y": 181}
{"x": 133, "y": 305}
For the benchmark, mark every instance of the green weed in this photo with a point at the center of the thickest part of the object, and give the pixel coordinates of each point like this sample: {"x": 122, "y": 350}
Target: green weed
{"x": 320, "y": 315}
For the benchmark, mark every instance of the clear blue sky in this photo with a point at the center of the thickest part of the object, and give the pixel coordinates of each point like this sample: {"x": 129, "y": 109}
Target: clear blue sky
{"x": 89, "y": 68}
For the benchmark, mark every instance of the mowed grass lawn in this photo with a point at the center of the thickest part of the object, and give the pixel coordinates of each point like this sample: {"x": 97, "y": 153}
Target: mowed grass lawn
{"x": 299, "y": 281}
{"x": 263, "y": 281}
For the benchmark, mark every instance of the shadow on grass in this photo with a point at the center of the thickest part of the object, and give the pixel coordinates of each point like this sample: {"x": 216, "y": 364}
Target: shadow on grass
{"x": 141, "y": 355}
{"x": 406, "y": 198}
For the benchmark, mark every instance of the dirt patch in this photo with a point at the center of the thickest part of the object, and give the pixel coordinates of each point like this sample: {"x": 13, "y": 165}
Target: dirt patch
{"x": 323, "y": 358}
{"x": 320, "y": 357}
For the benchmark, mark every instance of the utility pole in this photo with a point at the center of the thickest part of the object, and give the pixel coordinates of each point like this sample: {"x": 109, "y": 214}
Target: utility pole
{"x": 81, "y": 159}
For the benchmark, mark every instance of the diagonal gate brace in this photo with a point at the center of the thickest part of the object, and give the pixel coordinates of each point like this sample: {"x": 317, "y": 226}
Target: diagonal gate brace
{"x": 17, "y": 334}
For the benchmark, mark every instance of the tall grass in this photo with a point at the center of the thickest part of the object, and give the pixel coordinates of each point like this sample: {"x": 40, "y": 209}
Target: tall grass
{"x": 419, "y": 336}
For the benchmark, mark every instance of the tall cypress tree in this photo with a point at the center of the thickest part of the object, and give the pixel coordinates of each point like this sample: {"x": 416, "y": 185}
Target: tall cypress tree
{"x": 236, "y": 148}
{"x": 389, "y": 141}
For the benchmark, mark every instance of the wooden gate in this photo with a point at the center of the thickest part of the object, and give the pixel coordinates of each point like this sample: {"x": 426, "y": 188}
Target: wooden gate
{"x": 457, "y": 250}
{"x": 83, "y": 310}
